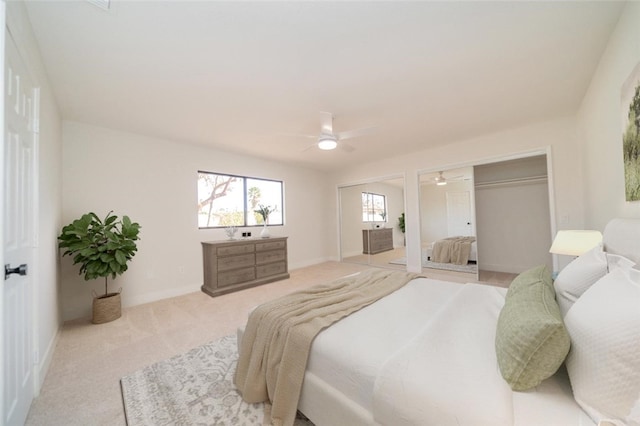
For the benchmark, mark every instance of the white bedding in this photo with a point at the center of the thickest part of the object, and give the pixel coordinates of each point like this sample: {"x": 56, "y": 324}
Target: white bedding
{"x": 473, "y": 255}
{"x": 349, "y": 354}
{"x": 425, "y": 355}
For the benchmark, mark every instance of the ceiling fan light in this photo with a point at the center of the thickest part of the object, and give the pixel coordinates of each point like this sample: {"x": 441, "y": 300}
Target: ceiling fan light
{"x": 327, "y": 143}
{"x": 441, "y": 182}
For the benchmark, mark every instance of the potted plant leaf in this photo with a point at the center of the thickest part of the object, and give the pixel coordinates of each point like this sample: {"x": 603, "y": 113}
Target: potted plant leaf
{"x": 102, "y": 248}
{"x": 401, "y": 226}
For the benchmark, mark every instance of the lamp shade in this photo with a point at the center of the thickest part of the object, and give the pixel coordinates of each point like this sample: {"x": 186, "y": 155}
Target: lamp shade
{"x": 575, "y": 242}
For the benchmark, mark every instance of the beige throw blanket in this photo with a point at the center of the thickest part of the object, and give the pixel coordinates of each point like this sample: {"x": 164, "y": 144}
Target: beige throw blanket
{"x": 278, "y": 336}
{"x": 454, "y": 250}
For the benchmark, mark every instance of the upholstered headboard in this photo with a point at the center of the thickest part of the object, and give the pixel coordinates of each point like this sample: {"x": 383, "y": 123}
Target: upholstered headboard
{"x": 622, "y": 236}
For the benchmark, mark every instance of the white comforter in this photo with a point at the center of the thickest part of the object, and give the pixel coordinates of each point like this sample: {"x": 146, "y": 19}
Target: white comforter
{"x": 425, "y": 355}
{"x": 448, "y": 373}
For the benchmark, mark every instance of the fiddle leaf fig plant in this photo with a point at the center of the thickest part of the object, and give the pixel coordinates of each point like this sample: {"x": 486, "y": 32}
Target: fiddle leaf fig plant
{"x": 102, "y": 248}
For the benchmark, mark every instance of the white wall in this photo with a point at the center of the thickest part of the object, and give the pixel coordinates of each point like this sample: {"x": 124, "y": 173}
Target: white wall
{"x": 559, "y": 135}
{"x": 154, "y": 182}
{"x": 46, "y": 283}
{"x": 600, "y": 125}
{"x": 351, "y": 220}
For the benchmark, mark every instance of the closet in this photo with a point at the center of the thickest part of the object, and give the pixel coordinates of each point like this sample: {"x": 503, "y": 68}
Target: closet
{"x": 513, "y": 221}
{"x": 510, "y": 212}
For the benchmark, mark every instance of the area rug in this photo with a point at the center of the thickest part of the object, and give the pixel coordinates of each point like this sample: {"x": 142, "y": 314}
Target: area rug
{"x": 195, "y": 388}
{"x": 471, "y": 268}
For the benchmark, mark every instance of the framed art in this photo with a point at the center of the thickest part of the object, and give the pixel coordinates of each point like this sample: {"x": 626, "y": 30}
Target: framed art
{"x": 631, "y": 135}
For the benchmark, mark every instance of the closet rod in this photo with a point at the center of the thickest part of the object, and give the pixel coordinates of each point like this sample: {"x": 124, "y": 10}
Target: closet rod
{"x": 516, "y": 181}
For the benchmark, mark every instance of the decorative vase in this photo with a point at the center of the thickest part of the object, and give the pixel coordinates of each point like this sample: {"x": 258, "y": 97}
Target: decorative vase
{"x": 265, "y": 232}
{"x": 230, "y": 231}
{"x": 106, "y": 308}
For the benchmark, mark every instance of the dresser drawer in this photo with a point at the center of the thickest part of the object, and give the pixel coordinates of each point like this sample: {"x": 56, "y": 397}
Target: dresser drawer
{"x": 235, "y": 262}
{"x": 382, "y": 235}
{"x": 236, "y": 276}
{"x": 271, "y": 245}
{"x": 270, "y": 256}
{"x": 235, "y": 249}
{"x": 263, "y": 271}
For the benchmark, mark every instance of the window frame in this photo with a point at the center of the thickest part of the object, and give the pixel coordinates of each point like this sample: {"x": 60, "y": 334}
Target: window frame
{"x": 371, "y": 196}
{"x": 245, "y": 199}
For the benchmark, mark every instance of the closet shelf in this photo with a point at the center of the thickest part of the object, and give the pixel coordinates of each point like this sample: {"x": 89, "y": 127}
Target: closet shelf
{"x": 515, "y": 181}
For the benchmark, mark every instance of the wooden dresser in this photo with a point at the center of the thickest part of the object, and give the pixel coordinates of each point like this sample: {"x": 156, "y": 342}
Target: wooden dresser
{"x": 234, "y": 265}
{"x": 377, "y": 240}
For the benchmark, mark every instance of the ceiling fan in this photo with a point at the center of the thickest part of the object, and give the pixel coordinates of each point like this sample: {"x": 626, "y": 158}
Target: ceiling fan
{"x": 328, "y": 139}
{"x": 441, "y": 180}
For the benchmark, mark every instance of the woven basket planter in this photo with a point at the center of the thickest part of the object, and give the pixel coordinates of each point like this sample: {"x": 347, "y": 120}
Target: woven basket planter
{"x": 106, "y": 308}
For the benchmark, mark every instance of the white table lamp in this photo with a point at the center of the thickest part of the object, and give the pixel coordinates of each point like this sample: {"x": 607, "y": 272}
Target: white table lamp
{"x": 575, "y": 242}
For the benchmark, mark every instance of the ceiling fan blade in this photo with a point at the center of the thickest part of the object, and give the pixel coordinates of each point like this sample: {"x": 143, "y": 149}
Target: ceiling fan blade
{"x": 355, "y": 133}
{"x": 326, "y": 123}
{"x": 299, "y": 135}
{"x": 346, "y": 147}
{"x": 308, "y": 147}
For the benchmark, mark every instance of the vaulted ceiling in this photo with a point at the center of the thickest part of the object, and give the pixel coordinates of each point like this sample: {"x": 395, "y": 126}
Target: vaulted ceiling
{"x": 249, "y": 77}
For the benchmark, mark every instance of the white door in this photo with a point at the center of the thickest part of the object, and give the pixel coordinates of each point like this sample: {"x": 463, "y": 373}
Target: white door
{"x": 459, "y": 214}
{"x": 20, "y": 144}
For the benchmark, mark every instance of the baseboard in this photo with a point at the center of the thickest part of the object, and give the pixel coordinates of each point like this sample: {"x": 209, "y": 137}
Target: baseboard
{"x": 305, "y": 264}
{"x": 45, "y": 361}
{"x": 352, "y": 253}
{"x": 160, "y": 295}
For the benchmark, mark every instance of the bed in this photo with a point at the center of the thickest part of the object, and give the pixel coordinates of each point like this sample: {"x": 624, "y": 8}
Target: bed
{"x": 426, "y": 353}
{"x": 473, "y": 253}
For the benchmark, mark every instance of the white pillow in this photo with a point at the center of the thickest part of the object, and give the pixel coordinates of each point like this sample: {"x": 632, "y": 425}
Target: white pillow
{"x": 604, "y": 360}
{"x": 582, "y": 273}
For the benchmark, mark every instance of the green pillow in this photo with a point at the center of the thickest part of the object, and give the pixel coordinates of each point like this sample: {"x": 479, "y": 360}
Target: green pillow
{"x": 531, "y": 340}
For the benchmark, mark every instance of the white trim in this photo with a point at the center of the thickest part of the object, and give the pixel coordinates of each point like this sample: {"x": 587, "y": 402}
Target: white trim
{"x": 45, "y": 361}
{"x": 2, "y": 172}
{"x": 160, "y": 295}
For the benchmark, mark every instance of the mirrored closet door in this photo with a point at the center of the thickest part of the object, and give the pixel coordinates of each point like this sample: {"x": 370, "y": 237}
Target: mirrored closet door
{"x": 369, "y": 223}
{"x": 447, "y": 223}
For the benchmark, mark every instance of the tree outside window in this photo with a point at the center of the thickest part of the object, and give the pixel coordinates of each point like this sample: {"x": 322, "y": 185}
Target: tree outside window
{"x": 374, "y": 207}
{"x": 228, "y": 200}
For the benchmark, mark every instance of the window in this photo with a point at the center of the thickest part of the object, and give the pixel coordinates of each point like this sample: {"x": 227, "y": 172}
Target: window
{"x": 227, "y": 200}
{"x": 374, "y": 207}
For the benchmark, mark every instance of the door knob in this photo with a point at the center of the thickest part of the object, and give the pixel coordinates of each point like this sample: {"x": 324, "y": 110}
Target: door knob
{"x": 20, "y": 270}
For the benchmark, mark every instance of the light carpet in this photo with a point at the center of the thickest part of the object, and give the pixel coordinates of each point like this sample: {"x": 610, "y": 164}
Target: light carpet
{"x": 471, "y": 268}
{"x": 192, "y": 388}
